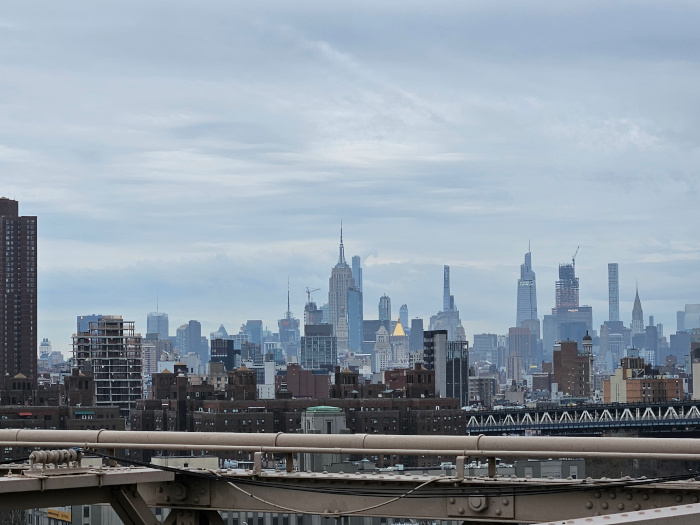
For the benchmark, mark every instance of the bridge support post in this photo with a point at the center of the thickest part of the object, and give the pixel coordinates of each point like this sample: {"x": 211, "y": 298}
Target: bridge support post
{"x": 130, "y": 506}
{"x": 289, "y": 462}
{"x": 492, "y": 467}
{"x": 257, "y": 463}
{"x": 459, "y": 467}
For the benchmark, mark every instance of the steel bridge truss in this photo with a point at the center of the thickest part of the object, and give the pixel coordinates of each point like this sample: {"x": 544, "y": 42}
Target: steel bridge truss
{"x": 588, "y": 417}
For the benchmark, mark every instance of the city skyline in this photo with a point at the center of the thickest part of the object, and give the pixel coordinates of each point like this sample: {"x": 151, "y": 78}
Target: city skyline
{"x": 198, "y": 156}
{"x": 234, "y": 324}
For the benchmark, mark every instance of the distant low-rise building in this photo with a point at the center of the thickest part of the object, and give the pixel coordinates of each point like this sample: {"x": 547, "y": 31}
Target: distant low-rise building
{"x": 632, "y": 383}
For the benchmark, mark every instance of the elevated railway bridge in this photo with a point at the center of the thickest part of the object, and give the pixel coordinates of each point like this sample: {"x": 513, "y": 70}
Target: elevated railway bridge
{"x": 588, "y": 419}
{"x": 60, "y": 477}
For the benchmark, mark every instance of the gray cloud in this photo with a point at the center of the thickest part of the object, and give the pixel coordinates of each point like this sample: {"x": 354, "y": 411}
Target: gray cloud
{"x": 205, "y": 153}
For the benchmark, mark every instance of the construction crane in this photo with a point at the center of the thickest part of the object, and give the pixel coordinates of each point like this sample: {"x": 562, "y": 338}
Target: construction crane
{"x": 573, "y": 257}
{"x": 309, "y": 292}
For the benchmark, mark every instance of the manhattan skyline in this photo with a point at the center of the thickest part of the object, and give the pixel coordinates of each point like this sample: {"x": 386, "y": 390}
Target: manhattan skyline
{"x": 198, "y": 156}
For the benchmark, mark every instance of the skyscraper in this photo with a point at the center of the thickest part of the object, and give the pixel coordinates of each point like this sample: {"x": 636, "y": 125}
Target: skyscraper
{"x": 403, "y": 316}
{"x": 384, "y": 308}
{"x": 415, "y": 338}
{"x": 318, "y": 348}
{"x": 254, "y": 331}
{"x": 450, "y": 360}
{"x": 355, "y": 308}
{"x": 157, "y": 323}
{"x": 340, "y": 282}
{"x": 18, "y": 301}
{"x": 290, "y": 336}
{"x": 448, "y": 318}
{"x": 448, "y": 301}
{"x": 357, "y": 272}
{"x": 527, "y": 292}
{"x": 613, "y": 293}
{"x": 456, "y": 372}
{"x": 355, "y": 319}
{"x": 567, "y": 286}
{"x": 637, "y": 325}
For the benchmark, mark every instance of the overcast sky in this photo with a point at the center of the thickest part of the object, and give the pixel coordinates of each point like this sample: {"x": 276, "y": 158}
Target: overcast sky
{"x": 202, "y": 153}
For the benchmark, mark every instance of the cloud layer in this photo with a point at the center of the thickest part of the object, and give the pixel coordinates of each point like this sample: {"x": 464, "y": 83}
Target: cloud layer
{"x": 203, "y": 154}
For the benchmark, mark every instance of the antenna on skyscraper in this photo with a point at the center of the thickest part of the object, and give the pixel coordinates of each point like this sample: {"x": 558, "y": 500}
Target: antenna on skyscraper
{"x": 287, "y": 294}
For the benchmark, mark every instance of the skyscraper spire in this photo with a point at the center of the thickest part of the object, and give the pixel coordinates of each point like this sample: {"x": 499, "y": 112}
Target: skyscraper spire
{"x": 289, "y": 314}
{"x": 637, "y": 325}
{"x": 341, "y": 254}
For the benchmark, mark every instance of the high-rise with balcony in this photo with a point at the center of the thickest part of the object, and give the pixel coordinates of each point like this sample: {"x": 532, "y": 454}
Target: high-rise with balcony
{"x": 18, "y": 301}
{"x": 111, "y": 349}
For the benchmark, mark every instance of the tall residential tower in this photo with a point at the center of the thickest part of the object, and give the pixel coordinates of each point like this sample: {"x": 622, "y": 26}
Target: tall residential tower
{"x": 613, "y": 292}
{"x": 18, "y": 308}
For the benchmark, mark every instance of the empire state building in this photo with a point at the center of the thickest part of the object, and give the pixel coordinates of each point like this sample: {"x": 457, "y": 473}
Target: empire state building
{"x": 341, "y": 280}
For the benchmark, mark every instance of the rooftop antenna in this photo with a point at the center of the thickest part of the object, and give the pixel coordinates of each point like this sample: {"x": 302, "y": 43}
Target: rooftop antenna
{"x": 288, "y": 296}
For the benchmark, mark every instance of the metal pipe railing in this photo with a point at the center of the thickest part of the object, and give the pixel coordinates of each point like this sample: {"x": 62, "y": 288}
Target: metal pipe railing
{"x": 369, "y": 444}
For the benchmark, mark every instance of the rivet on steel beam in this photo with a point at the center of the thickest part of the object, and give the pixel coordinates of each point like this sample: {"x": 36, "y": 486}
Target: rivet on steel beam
{"x": 461, "y": 510}
{"x": 637, "y": 506}
{"x": 498, "y": 512}
{"x": 628, "y": 496}
{"x": 589, "y": 504}
{"x": 612, "y": 495}
{"x": 597, "y": 495}
{"x": 645, "y": 497}
{"x": 679, "y": 498}
{"x": 505, "y": 502}
{"x": 620, "y": 506}
{"x": 604, "y": 505}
